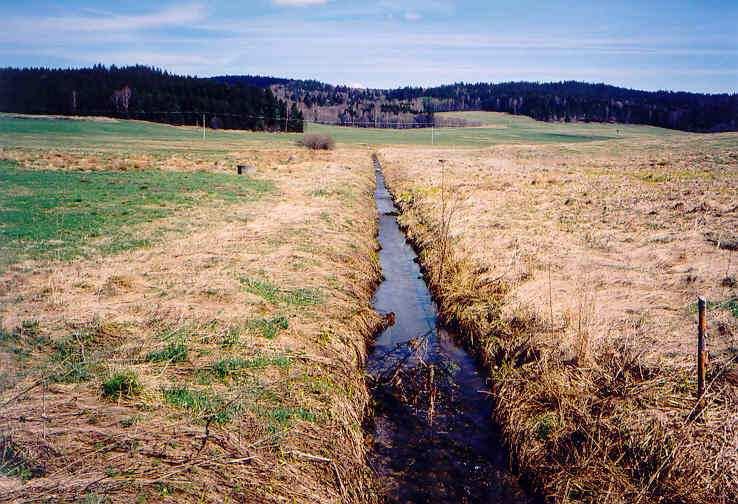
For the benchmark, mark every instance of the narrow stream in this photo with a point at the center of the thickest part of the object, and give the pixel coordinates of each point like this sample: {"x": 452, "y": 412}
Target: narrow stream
{"x": 433, "y": 439}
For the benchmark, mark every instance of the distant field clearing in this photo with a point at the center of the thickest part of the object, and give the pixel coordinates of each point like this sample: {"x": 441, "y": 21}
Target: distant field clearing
{"x": 496, "y": 129}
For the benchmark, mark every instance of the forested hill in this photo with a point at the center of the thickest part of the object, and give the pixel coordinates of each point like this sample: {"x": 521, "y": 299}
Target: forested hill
{"x": 579, "y": 101}
{"x": 557, "y": 101}
{"x": 261, "y": 81}
{"x": 140, "y": 92}
{"x": 277, "y": 104}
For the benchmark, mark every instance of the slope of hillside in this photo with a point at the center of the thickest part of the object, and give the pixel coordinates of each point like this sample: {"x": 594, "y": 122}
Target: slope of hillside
{"x": 569, "y": 101}
{"x": 140, "y": 92}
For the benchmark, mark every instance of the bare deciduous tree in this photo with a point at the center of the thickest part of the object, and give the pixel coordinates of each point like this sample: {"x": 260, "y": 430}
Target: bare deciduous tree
{"x": 122, "y": 98}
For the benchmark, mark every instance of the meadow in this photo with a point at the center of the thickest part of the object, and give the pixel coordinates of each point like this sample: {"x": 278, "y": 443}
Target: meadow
{"x": 66, "y": 214}
{"x": 105, "y": 134}
{"x": 573, "y": 270}
{"x": 494, "y": 129}
{"x": 172, "y": 331}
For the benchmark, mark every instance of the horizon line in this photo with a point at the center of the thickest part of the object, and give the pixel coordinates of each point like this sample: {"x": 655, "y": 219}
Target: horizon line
{"x": 370, "y": 88}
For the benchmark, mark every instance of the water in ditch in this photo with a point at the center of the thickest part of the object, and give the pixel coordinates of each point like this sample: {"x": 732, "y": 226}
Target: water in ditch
{"x": 432, "y": 435}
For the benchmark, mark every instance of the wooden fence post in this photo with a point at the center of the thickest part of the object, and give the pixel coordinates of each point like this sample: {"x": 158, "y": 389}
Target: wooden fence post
{"x": 701, "y": 346}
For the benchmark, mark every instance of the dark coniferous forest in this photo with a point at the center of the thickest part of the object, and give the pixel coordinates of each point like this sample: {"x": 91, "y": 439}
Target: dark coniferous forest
{"x": 277, "y": 104}
{"x": 555, "y": 101}
{"x": 140, "y": 92}
{"x": 579, "y": 101}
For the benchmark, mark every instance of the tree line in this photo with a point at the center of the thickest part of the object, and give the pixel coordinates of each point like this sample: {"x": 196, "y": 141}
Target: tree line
{"x": 277, "y": 104}
{"x": 141, "y": 92}
{"x": 580, "y": 101}
{"x": 556, "y": 101}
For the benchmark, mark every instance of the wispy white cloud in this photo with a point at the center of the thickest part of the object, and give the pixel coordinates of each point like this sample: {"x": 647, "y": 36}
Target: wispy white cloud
{"x": 100, "y": 21}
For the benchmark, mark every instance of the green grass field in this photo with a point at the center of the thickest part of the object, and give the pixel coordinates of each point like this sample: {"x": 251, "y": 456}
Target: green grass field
{"x": 524, "y": 128}
{"x": 131, "y": 136}
{"x": 142, "y": 136}
{"x": 66, "y": 214}
{"x": 497, "y": 128}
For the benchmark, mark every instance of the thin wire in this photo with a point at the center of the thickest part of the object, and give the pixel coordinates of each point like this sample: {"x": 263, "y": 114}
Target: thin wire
{"x": 378, "y": 124}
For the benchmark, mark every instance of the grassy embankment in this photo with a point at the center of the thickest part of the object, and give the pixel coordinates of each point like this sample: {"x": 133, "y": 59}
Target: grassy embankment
{"x": 573, "y": 270}
{"x": 171, "y": 331}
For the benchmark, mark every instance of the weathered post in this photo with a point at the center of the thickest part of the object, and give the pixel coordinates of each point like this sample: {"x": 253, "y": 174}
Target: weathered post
{"x": 245, "y": 169}
{"x": 701, "y": 346}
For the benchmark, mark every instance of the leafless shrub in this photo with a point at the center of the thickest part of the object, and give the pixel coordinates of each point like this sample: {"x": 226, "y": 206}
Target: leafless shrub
{"x": 318, "y": 141}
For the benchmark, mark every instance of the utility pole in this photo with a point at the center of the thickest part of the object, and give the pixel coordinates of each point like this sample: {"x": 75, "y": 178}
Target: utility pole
{"x": 433, "y": 126}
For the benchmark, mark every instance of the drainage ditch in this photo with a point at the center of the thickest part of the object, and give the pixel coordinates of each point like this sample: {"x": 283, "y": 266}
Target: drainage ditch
{"x": 432, "y": 435}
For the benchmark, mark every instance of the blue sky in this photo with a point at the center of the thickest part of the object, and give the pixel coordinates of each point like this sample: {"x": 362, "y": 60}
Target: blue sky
{"x": 647, "y": 44}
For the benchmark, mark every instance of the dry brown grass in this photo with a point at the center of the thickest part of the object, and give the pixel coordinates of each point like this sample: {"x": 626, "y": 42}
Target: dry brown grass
{"x": 181, "y": 160}
{"x": 284, "y": 421}
{"x": 573, "y": 271}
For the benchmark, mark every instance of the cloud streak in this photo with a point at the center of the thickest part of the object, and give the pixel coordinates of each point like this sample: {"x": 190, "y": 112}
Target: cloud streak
{"x": 359, "y": 43}
{"x": 99, "y": 21}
